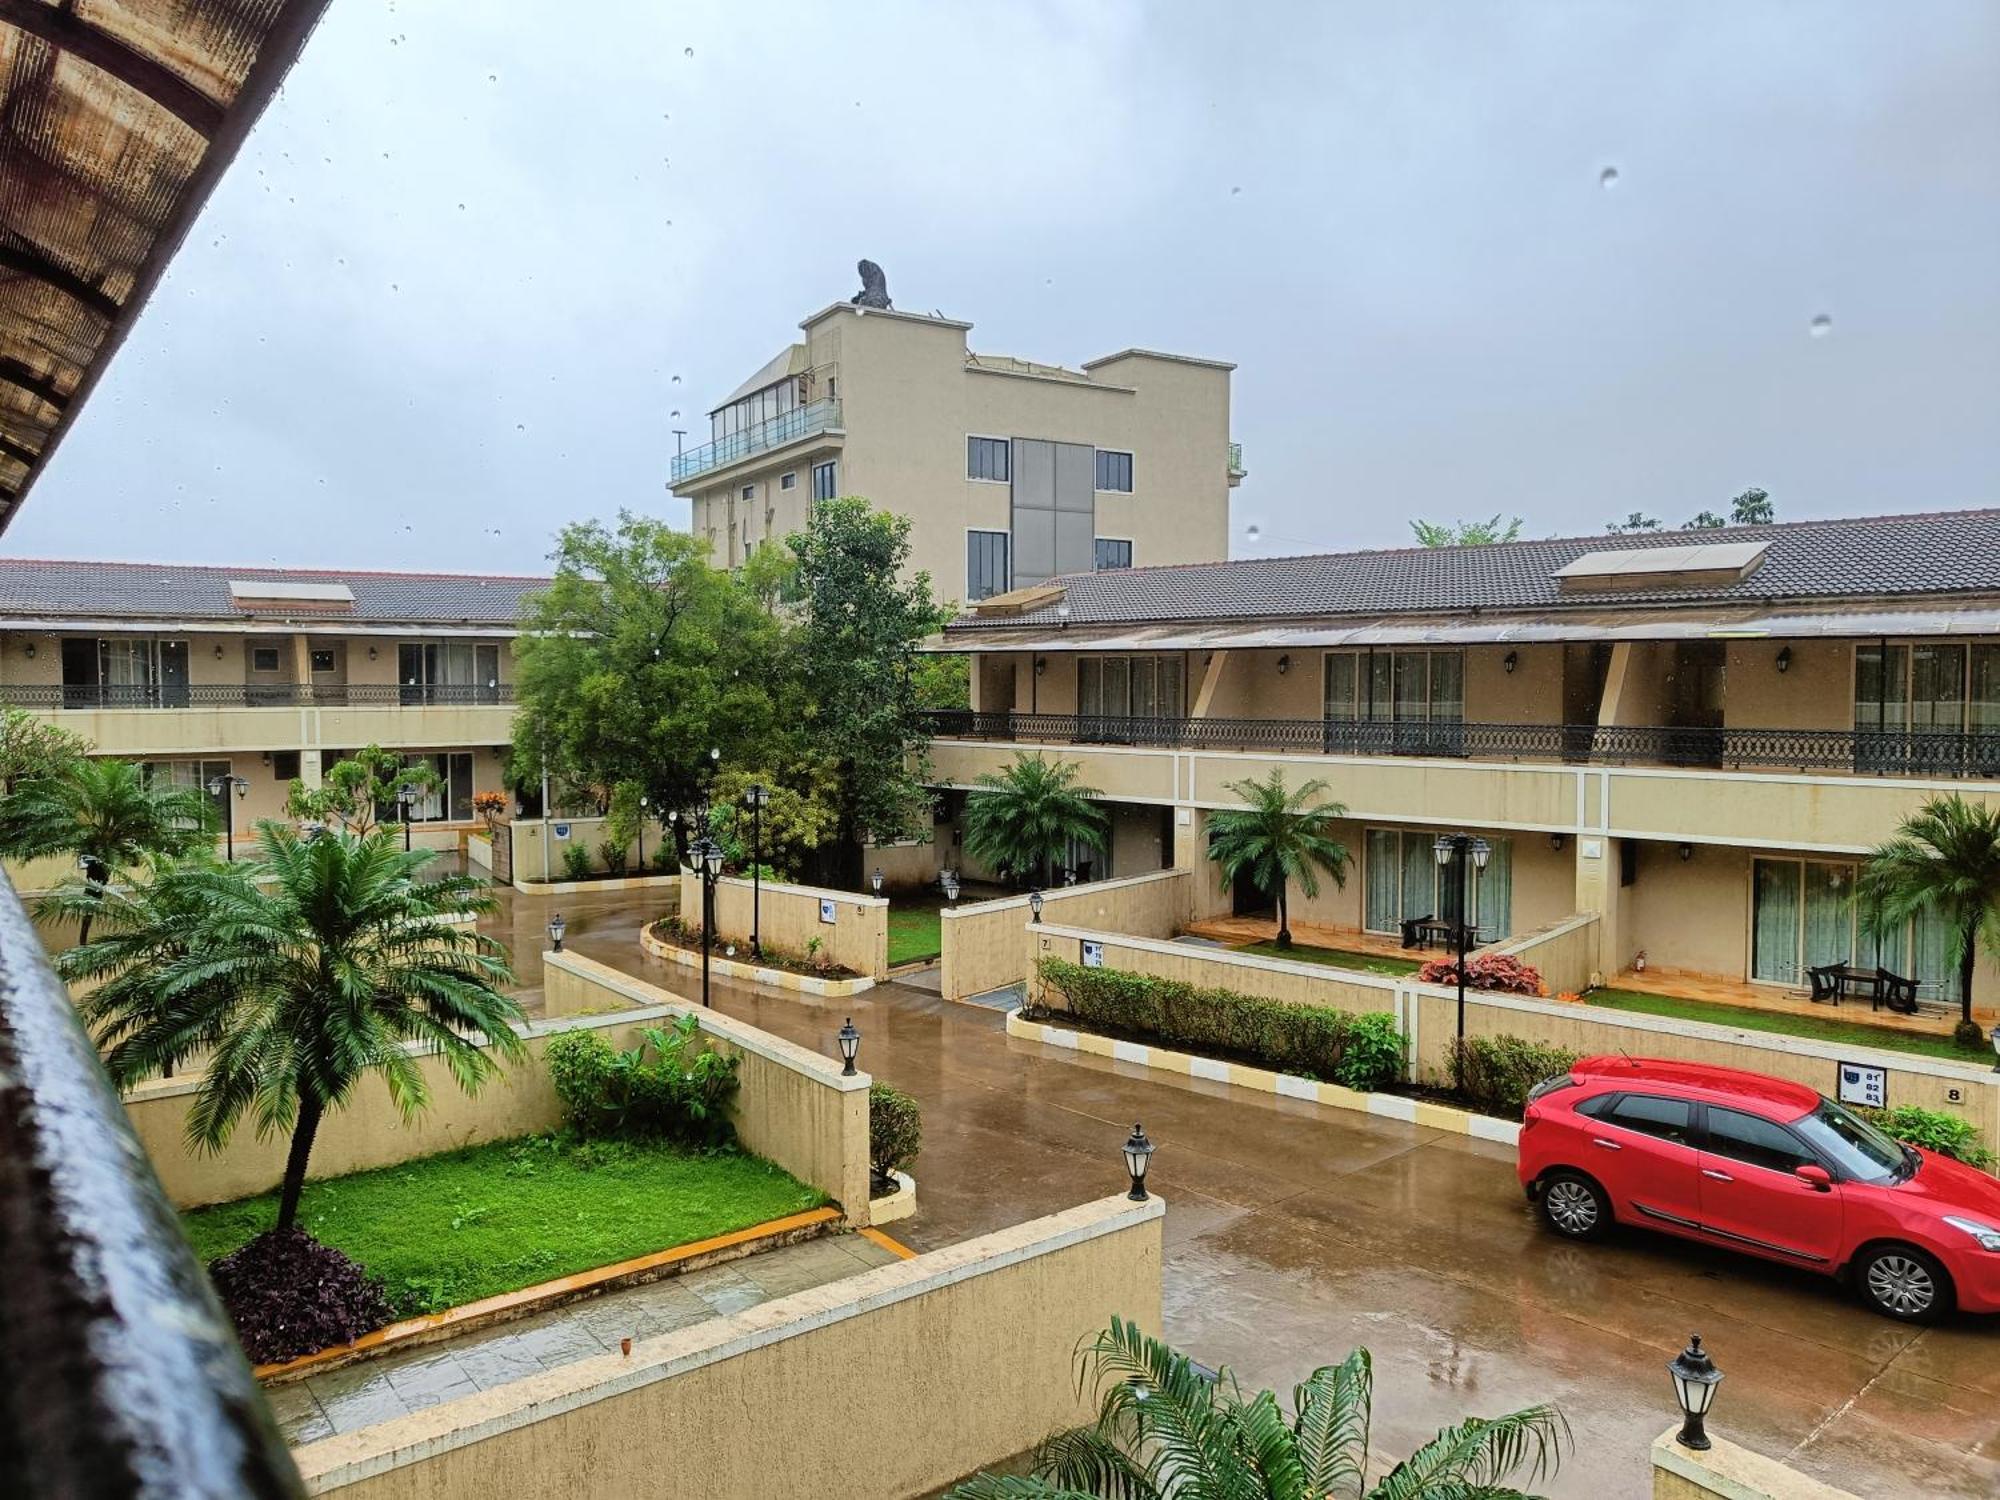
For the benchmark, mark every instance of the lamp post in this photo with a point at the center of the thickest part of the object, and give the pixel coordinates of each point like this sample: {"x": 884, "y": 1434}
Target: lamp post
{"x": 850, "y": 1043}
{"x": 1138, "y": 1157}
{"x": 219, "y": 788}
{"x": 875, "y": 881}
{"x": 1035, "y": 904}
{"x": 1452, "y": 850}
{"x": 759, "y": 797}
{"x": 950, "y": 879}
{"x": 557, "y": 927}
{"x": 709, "y": 855}
{"x": 642, "y": 835}
{"x": 1695, "y": 1380}
{"x": 408, "y": 798}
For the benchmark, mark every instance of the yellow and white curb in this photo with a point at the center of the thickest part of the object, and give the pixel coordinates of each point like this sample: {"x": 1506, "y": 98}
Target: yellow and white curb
{"x": 1264, "y": 1081}
{"x": 588, "y": 887}
{"x": 893, "y": 1206}
{"x": 729, "y": 968}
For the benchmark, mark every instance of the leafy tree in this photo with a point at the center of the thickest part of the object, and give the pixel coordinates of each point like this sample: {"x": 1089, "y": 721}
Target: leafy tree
{"x": 354, "y": 791}
{"x": 1752, "y": 508}
{"x": 1164, "y": 1428}
{"x": 1466, "y": 533}
{"x": 1278, "y": 840}
{"x": 638, "y": 659}
{"x": 799, "y": 819}
{"x": 32, "y": 748}
{"x": 857, "y": 659}
{"x": 1636, "y": 522}
{"x": 1022, "y": 820}
{"x": 110, "y": 816}
{"x": 1943, "y": 862}
{"x": 301, "y": 972}
{"x": 1706, "y": 520}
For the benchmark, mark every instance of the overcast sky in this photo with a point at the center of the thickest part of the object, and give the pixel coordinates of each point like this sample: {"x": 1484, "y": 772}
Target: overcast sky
{"x": 481, "y": 257}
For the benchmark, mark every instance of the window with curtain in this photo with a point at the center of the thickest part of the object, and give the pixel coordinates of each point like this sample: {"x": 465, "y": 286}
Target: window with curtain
{"x": 1401, "y": 878}
{"x": 1130, "y": 687}
{"x": 1421, "y": 692}
{"x": 1804, "y": 915}
{"x": 1931, "y": 690}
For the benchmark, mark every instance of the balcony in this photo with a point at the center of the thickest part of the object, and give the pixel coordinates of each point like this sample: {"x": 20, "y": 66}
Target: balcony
{"x": 780, "y": 431}
{"x": 1236, "y": 469}
{"x": 253, "y": 695}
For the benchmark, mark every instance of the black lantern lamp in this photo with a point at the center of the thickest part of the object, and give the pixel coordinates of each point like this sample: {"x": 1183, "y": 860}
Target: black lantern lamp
{"x": 557, "y": 927}
{"x": 950, "y": 878}
{"x": 1035, "y": 904}
{"x": 408, "y": 798}
{"x": 1138, "y": 1157}
{"x": 1695, "y": 1380}
{"x": 1069, "y": 877}
{"x": 875, "y": 880}
{"x": 850, "y": 1043}
{"x": 711, "y": 858}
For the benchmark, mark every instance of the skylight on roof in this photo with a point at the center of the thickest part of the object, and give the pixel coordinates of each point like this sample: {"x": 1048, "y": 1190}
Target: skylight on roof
{"x": 1708, "y": 565}
{"x": 269, "y": 590}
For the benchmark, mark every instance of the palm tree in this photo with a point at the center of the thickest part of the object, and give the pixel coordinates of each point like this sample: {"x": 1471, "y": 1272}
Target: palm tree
{"x": 299, "y": 972}
{"x": 110, "y": 816}
{"x": 1944, "y": 861}
{"x": 1166, "y": 1428}
{"x": 1027, "y": 816}
{"x": 1277, "y": 840}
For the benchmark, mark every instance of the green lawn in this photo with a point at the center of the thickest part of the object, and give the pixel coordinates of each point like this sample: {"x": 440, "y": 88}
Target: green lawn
{"x": 451, "y": 1229}
{"x": 1853, "y": 1033}
{"x": 1334, "y": 958}
{"x": 913, "y": 934}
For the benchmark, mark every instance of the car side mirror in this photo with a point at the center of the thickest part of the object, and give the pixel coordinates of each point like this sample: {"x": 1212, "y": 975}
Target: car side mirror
{"x": 1814, "y": 1176}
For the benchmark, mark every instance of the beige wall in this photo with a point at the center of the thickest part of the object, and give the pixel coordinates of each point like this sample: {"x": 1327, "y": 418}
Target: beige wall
{"x": 1728, "y": 1472}
{"x": 1564, "y": 952}
{"x": 857, "y": 938}
{"x": 1816, "y": 691}
{"x": 823, "y": 1393}
{"x": 1119, "y": 775}
{"x": 1848, "y": 814}
{"x": 982, "y": 946}
{"x": 586, "y": 833}
{"x": 1247, "y": 974}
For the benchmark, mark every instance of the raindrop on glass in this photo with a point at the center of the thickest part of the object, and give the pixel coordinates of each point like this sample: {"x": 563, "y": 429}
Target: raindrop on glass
{"x": 675, "y": 413}
{"x": 1608, "y": 178}
{"x": 1820, "y": 326}
{"x": 677, "y": 380}
{"x": 1252, "y": 532}
{"x": 492, "y": 77}
{"x": 687, "y": 52}
{"x": 1236, "y": 192}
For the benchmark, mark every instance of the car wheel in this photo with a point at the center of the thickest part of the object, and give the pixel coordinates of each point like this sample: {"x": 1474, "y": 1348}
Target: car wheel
{"x": 1901, "y": 1282}
{"x": 1574, "y": 1206}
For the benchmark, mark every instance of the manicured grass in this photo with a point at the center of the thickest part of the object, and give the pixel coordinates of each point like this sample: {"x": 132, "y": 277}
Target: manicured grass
{"x": 1334, "y": 958}
{"x": 913, "y": 934}
{"x": 451, "y": 1229}
{"x": 1852, "y": 1033}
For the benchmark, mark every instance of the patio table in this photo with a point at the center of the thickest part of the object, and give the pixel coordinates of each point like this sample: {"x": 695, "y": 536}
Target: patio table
{"x": 1833, "y": 982}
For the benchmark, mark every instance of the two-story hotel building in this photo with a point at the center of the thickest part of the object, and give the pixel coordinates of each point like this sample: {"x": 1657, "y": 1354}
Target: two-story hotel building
{"x": 1694, "y": 735}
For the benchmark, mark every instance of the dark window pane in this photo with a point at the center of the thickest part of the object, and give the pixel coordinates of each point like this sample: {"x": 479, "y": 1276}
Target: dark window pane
{"x": 1754, "y": 1141}
{"x": 1665, "y": 1118}
{"x": 985, "y": 564}
{"x": 1113, "y": 553}
{"x": 1114, "y": 471}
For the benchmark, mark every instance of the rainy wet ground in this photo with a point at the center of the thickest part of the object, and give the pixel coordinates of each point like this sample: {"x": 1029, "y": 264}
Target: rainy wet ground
{"x": 1295, "y": 1233}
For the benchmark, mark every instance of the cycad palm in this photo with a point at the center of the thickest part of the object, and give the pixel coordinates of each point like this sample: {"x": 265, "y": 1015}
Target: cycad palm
{"x": 1277, "y": 839}
{"x": 1165, "y": 1431}
{"x": 1025, "y": 818}
{"x": 109, "y": 815}
{"x": 1943, "y": 860}
{"x": 299, "y": 972}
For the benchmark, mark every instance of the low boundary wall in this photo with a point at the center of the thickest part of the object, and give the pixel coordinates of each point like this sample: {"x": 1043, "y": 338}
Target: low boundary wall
{"x": 838, "y": 1379}
{"x": 1564, "y": 953}
{"x": 982, "y": 948}
{"x": 857, "y": 938}
{"x": 525, "y": 846}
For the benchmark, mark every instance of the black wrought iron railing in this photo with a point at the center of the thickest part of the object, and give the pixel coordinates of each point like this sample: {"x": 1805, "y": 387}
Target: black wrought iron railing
{"x": 119, "y": 1373}
{"x": 1867, "y": 751}
{"x": 254, "y": 695}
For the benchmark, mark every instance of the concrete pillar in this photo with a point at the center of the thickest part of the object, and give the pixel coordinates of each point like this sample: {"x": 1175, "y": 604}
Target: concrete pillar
{"x": 1598, "y": 861}
{"x": 309, "y": 769}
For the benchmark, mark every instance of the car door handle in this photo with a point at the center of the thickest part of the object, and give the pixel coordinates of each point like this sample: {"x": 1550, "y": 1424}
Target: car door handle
{"x": 1718, "y": 1176}
{"x": 1607, "y": 1145}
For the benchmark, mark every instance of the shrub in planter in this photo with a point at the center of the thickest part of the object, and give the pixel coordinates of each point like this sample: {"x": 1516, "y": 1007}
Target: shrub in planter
{"x": 575, "y": 862}
{"x": 895, "y": 1132}
{"x": 1373, "y": 1054}
{"x": 1486, "y": 971}
{"x": 612, "y": 857}
{"x": 290, "y": 1295}
{"x": 682, "y": 1091}
{"x": 1934, "y": 1130}
{"x": 1494, "y": 1073}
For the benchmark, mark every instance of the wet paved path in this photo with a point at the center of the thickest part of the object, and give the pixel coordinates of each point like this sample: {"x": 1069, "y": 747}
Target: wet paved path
{"x": 1295, "y": 1233}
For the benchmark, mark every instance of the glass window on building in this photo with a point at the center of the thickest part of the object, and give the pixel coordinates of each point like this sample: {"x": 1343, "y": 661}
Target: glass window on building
{"x": 1916, "y": 705}
{"x": 823, "y": 482}
{"x": 451, "y": 800}
{"x": 1111, "y": 688}
{"x": 1113, "y": 552}
{"x": 1804, "y": 915}
{"x": 1114, "y": 471}
{"x": 987, "y": 458}
{"x": 1401, "y": 879}
{"x": 1418, "y": 694}
{"x": 788, "y": 480}
{"x": 985, "y": 564}
{"x": 448, "y": 671}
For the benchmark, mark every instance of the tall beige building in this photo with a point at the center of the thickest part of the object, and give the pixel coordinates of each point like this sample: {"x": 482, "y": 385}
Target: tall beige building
{"x": 1010, "y": 471}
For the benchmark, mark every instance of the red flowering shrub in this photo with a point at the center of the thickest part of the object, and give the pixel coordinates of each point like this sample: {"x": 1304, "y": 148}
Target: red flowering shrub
{"x": 1486, "y": 971}
{"x": 289, "y": 1295}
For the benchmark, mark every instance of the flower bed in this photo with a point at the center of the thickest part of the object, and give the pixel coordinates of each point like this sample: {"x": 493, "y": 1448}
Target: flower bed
{"x": 676, "y": 933}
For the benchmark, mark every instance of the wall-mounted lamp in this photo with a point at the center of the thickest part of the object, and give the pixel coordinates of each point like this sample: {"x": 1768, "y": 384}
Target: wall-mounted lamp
{"x": 1687, "y": 853}
{"x": 371, "y": 653}
{"x": 1784, "y": 658}
{"x": 1041, "y": 665}
{"x": 30, "y": 651}
{"x": 1556, "y": 841}
{"x": 218, "y": 651}
{"x": 1511, "y": 661}
{"x": 1284, "y": 664}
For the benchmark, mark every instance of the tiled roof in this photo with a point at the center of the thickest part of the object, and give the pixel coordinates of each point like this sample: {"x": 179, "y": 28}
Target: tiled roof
{"x": 1950, "y": 552}
{"x": 172, "y": 591}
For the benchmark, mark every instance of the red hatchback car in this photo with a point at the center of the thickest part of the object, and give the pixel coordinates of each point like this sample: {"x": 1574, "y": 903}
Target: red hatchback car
{"x": 1765, "y": 1166}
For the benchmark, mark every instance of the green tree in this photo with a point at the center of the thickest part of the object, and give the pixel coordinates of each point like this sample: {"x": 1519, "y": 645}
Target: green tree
{"x": 31, "y": 748}
{"x": 799, "y": 818}
{"x": 1942, "y": 862}
{"x": 1706, "y": 520}
{"x": 1022, "y": 820}
{"x": 1276, "y": 840}
{"x": 637, "y": 660}
{"x": 300, "y": 972}
{"x": 354, "y": 791}
{"x": 858, "y": 664}
{"x": 1466, "y": 533}
{"x": 1164, "y": 1428}
{"x": 109, "y": 815}
{"x": 1752, "y": 508}
{"x": 1638, "y": 521}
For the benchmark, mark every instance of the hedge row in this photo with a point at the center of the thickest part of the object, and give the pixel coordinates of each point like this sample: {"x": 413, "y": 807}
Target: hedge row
{"x": 1362, "y": 1052}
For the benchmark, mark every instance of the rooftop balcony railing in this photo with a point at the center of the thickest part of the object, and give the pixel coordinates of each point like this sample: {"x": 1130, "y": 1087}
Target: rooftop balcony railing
{"x": 254, "y": 695}
{"x": 788, "y": 427}
{"x": 1866, "y": 752}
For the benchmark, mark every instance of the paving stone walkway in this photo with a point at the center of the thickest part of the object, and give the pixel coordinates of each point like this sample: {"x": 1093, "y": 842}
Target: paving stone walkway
{"x": 394, "y": 1385}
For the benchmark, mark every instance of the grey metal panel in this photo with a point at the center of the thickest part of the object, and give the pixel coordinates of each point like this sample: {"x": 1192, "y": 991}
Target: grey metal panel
{"x": 1034, "y": 496}
{"x": 1075, "y": 477}
{"x": 1034, "y": 483}
{"x": 1075, "y": 540}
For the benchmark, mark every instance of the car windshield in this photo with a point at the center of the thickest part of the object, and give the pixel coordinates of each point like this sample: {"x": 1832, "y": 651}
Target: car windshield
{"x": 1860, "y": 1151}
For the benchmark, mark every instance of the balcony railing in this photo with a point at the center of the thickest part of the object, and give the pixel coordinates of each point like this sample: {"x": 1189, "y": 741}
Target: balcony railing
{"x": 1236, "y": 460}
{"x": 1868, "y": 752}
{"x": 788, "y": 427}
{"x": 254, "y": 695}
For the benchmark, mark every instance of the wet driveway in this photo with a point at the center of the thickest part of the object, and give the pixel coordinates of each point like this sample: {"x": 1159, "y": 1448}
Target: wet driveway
{"x": 1295, "y": 1233}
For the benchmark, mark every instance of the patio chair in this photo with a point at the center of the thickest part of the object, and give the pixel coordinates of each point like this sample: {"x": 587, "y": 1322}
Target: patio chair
{"x": 1411, "y": 936}
{"x": 1896, "y": 992}
{"x": 1825, "y": 983}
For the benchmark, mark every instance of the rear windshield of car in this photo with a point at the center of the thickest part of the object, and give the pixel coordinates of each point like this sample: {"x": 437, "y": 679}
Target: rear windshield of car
{"x": 1856, "y": 1148}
